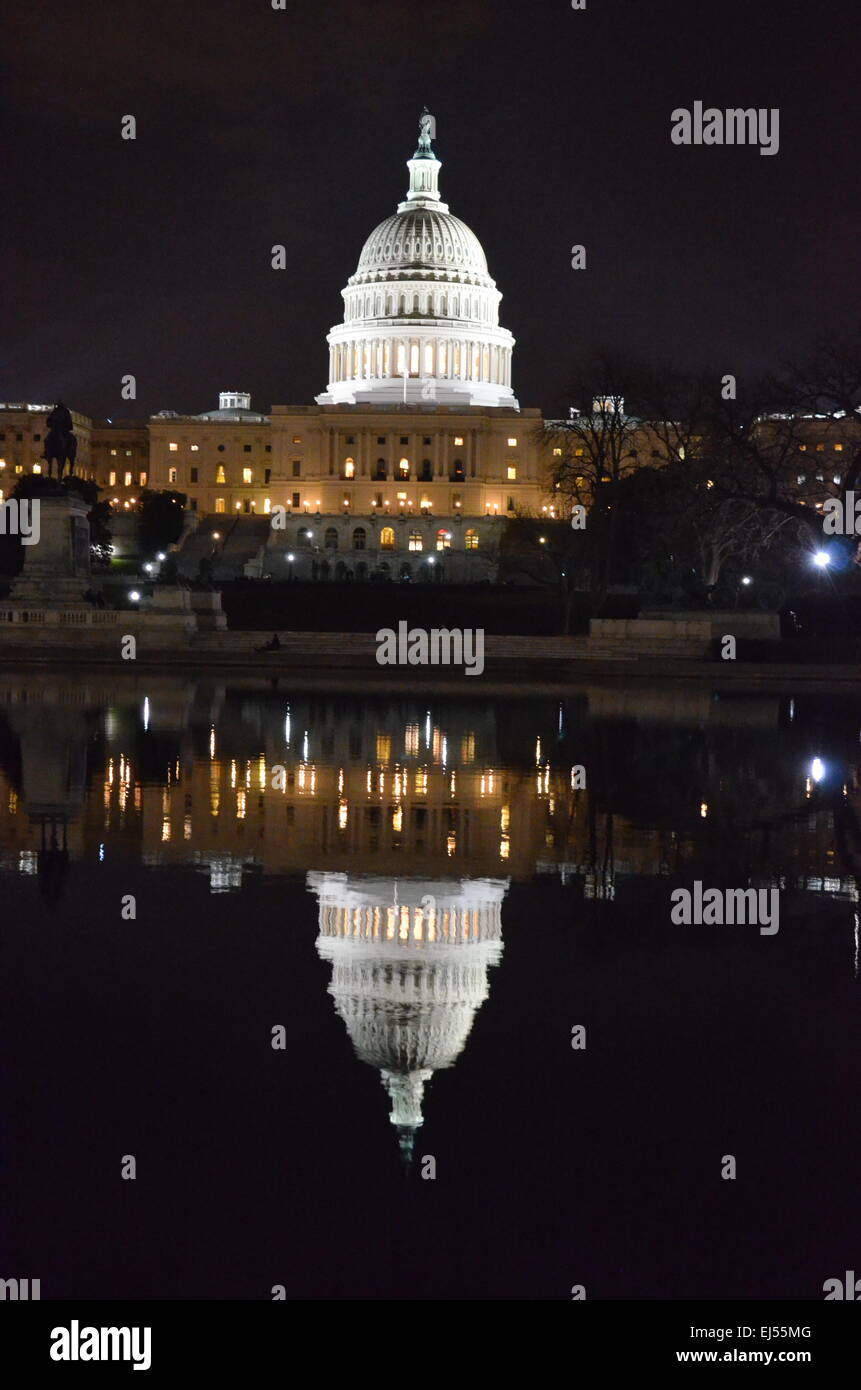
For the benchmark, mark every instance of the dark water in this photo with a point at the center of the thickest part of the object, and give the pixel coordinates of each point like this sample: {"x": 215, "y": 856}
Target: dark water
{"x": 427, "y": 902}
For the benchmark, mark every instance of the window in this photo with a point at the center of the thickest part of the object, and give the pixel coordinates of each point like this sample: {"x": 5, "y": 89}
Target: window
{"x": 510, "y": 507}
{"x": 127, "y": 479}
{"x": 820, "y": 448}
{"x": 579, "y": 453}
{"x": 802, "y": 448}
{"x": 557, "y": 453}
{"x": 297, "y": 439}
{"x": 171, "y": 476}
{"x": 195, "y": 448}
{"x": 221, "y": 448}
{"x": 219, "y": 504}
{"x": 404, "y": 467}
{"x": 405, "y": 439}
{"x": 443, "y": 540}
{"x": 838, "y": 448}
{"x": 381, "y": 468}
{"x": 297, "y": 468}
{"x": 267, "y": 474}
{"x": 512, "y": 443}
{"x": 351, "y": 439}
{"x": 381, "y": 439}
{"x": 349, "y": 468}
{"x": 295, "y": 502}
{"x": 359, "y": 538}
{"x": 269, "y": 448}
{"x": 220, "y": 475}
{"x": 387, "y": 538}
{"x": 173, "y": 448}
{"x": 267, "y": 505}
{"x": 378, "y": 499}
{"x": 246, "y": 475}
{"x": 193, "y": 477}
{"x": 128, "y": 453}
{"x": 415, "y": 541}
{"x": 330, "y": 540}
{"x": 471, "y": 540}
{"x": 512, "y": 473}
{"x": 113, "y": 453}
{"x": 246, "y": 448}
{"x": 427, "y": 439}
{"x": 458, "y": 439}
{"x": 112, "y": 480}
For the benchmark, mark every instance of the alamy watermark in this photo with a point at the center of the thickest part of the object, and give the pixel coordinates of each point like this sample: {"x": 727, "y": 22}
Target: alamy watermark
{"x": 727, "y": 907}
{"x": 439, "y": 646}
{"x": 21, "y": 517}
{"x": 733, "y": 126}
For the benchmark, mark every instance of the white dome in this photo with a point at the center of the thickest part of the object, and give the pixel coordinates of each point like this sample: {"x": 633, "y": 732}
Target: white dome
{"x": 422, "y": 241}
{"x": 421, "y": 313}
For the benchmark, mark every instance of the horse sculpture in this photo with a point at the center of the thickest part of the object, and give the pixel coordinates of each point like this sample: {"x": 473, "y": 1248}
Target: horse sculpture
{"x": 60, "y": 443}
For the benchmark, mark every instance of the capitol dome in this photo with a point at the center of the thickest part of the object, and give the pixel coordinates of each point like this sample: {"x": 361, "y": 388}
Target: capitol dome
{"x": 421, "y": 313}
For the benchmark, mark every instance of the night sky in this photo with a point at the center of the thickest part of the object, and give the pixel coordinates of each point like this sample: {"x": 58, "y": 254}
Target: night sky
{"x": 258, "y": 127}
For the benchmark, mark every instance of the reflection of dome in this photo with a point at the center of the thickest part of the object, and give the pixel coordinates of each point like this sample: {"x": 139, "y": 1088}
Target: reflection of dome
{"x": 421, "y": 313}
{"x": 409, "y": 972}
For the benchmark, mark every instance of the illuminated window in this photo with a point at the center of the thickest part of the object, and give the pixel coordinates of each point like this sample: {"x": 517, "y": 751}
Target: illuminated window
{"x": 820, "y": 448}
{"x": 802, "y": 448}
{"x": 112, "y": 477}
{"x": 415, "y": 541}
{"x": 458, "y": 439}
{"x": 387, "y": 538}
{"x": 220, "y": 475}
{"x": 142, "y": 477}
{"x": 127, "y": 479}
{"x": 471, "y": 540}
{"x": 579, "y": 453}
{"x": 195, "y": 448}
{"x": 297, "y": 439}
{"x": 404, "y": 467}
{"x": 443, "y": 540}
{"x": 128, "y": 453}
{"x": 414, "y": 359}
{"x": 113, "y": 453}
{"x": 512, "y": 443}
{"x": 838, "y": 448}
{"x": 349, "y": 468}
{"x": 512, "y": 473}
{"x": 171, "y": 476}
{"x": 246, "y": 475}
{"x": 219, "y": 504}
{"x": 267, "y": 505}
{"x": 173, "y": 448}
{"x": 557, "y": 453}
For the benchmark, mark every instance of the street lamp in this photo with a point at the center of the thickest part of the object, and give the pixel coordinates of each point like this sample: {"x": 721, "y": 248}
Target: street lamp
{"x": 821, "y": 559}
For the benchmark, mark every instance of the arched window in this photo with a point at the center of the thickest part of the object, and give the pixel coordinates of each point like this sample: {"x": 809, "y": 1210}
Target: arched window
{"x": 330, "y": 540}
{"x": 381, "y": 470}
{"x": 415, "y": 541}
{"x": 387, "y": 538}
{"x": 349, "y": 468}
{"x": 403, "y": 468}
{"x": 303, "y": 538}
{"x": 220, "y": 476}
{"x": 443, "y": 540}
{"x": 359, "y": 538}
{"x": 471, "y": 540}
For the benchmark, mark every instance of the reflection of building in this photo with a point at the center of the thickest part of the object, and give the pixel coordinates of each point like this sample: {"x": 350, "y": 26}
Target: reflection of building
{"x": 409, "y": 964}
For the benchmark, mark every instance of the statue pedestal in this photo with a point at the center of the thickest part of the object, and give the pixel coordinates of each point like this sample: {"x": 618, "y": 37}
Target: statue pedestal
{"x": 56, "y": 569}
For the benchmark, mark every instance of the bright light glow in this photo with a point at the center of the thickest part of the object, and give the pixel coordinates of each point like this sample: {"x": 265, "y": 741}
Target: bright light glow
{"x": 817, "y": 769}
{"x": 146, "y": 712}
{"x": 148, "y": 567}
{"x": 134, "y": 596}
{"x": 822, "y": 559}
{"x": 290, "y": 557}
{"x": 161, "y": 556}
{"x": 216, "y": 535}
{"x": 746, "y": 579}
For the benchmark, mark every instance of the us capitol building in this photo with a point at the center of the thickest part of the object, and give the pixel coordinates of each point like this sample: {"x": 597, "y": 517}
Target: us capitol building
{"x": 411, "y": 457}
